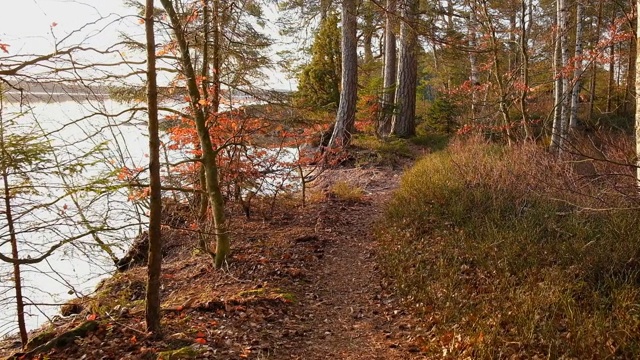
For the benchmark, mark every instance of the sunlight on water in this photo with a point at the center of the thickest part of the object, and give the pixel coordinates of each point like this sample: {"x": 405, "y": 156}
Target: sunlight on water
{"x": 73, "y": 129}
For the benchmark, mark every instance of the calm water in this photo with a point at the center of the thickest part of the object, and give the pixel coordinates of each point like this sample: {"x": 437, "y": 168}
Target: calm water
{"x": 73, "y": 128}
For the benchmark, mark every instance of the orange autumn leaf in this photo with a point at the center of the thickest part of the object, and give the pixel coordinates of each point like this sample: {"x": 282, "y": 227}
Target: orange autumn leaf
{"x": 201, "y": 341}
{"x": 200, "y": 334}
{"x": 133, "y": 339}
{"x": 92, "y": 317}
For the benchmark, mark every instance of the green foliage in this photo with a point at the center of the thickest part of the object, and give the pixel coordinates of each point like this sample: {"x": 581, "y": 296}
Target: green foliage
{"x": 442, "y": 116}
{"x": 497, "y": 244}
{"x": 319, "y": 81}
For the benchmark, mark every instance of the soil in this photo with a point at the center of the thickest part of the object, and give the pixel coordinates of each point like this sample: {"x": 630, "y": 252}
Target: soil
{"x": 302, "y": 283}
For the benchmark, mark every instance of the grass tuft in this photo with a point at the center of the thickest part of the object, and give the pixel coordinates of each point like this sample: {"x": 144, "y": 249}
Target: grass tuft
{"x": 347, "y": 192}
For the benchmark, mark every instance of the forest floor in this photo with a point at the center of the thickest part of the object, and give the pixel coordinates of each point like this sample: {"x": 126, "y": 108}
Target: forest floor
{"x": 302, "y": 283}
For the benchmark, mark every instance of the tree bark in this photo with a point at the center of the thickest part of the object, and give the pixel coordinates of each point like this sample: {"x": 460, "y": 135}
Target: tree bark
{"x": 473, "y": 61}
{"x": 637, "y": 124}
{"x": 17, "y": 276}
{"x": 154, "y": 266}
{"x": 345, "y": 119}
{"x": 594, "y": 65}
{"x": 629, "y": 94}
{"x": 498, "y": 71}
{"x": 390, "y": 67}
{"x": 566, "y": 83}
{"x": 524, "y": 70}
{"x": 611, "y": 74}
{"x": 403, "y": 124}
{"x": 577, "y": 70}
{"x": 556, "y": 134}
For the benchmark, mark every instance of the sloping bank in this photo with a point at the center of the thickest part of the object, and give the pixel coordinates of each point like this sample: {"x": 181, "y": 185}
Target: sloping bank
{"x": 513, "y": 253}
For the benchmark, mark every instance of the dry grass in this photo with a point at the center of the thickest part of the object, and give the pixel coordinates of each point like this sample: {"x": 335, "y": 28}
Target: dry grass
{"x": 515, "y": 253}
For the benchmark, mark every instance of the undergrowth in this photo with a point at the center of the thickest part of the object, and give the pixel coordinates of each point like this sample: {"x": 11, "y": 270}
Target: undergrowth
{"x": 512, "y": 253}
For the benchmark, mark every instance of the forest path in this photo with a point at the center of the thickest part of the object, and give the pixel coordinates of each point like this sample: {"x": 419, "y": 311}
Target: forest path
{"x": 347, "y": 311}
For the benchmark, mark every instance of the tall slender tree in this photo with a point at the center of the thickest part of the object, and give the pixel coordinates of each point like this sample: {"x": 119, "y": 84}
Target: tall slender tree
{"x": 637, "y": 122}
{"x": 154, "y": 267}
{"x": 390, "y": 70}
{"x": 209, "y": 154}
{"x": 577, "y": 66}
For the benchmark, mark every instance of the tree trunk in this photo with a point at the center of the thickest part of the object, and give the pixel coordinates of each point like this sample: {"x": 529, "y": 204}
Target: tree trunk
{"x": 154, "y": 266}
{"x": 637, "y": 81}
{"x": 345, "y": 119}
{"x": 498, "y": 72}
{"x": 594, "y": 65}
{"x": 556, "y": 134}
{"x": 629, "y": 94}
{"x": 611, "y": 75}
{"x": 208, "y": 153}
{"x": 566, "y": 83}
{"x": 368, "y": 30}
{"x": 390, "y": 66}
{"x": 13, "y": 240}
{"x": 577, "y": 70}
{"x": 474, "y": 79}
{"x": 17, "y": 277}
{"x": 524, "y": 54}
{"x": 404, "y": 123}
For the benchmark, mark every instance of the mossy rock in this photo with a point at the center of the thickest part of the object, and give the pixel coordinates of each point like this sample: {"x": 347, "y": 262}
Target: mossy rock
{"x": 40, "y": 339}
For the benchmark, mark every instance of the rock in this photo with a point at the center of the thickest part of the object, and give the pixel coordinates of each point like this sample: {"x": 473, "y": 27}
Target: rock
{"x": 137, "y": 254}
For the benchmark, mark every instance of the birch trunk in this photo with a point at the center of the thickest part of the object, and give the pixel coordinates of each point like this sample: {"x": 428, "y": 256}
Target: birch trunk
{"x": 566, "y": 83}
{"x": 594, "y": 65}
{"x": 390, "y": 67}
{"x": 577, "y": 70}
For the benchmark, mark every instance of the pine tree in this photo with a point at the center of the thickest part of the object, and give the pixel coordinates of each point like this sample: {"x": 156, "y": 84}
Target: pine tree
{"x": 319, "y": 81}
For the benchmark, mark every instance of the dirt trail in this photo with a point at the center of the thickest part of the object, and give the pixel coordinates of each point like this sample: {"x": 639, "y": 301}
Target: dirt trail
{"x": 348, "y": 313}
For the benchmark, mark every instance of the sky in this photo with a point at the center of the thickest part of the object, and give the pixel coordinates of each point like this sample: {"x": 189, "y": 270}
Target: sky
{"x": 34, "y": 26}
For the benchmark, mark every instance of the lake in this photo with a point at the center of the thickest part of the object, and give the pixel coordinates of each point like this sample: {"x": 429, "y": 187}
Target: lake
{"x": 73, "y": 129}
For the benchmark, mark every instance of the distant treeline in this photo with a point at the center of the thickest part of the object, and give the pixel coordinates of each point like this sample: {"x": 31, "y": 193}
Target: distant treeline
{"x": 52, "y": 91}
{"x": 68, "y": 91}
